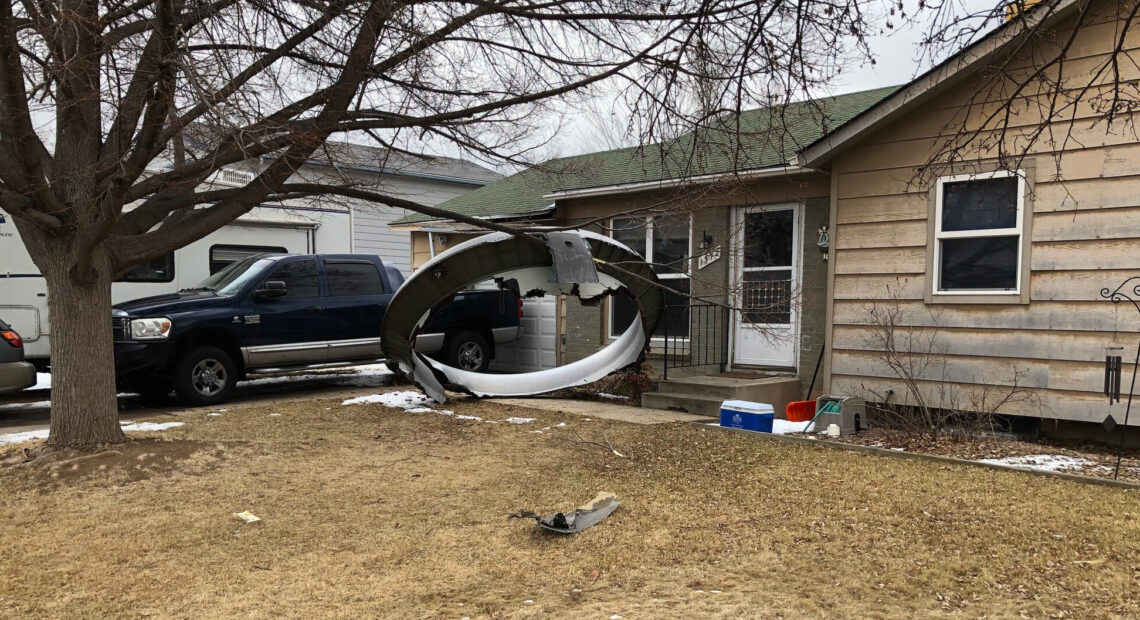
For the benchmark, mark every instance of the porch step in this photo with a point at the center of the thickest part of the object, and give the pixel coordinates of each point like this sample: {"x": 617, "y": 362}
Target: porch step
{"x": 696, "y": 404}
{"x": 703, "y": 395}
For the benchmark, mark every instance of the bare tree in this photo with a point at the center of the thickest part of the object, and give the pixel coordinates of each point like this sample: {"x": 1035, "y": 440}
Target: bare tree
{"x": 114, "y": 114}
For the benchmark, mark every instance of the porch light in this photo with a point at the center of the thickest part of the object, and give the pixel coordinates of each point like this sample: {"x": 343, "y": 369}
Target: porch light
{"x": 706, "y": 240}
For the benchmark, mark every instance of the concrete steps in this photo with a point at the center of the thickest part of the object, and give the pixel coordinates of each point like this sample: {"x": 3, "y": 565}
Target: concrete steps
{"x": 703, "y": 395}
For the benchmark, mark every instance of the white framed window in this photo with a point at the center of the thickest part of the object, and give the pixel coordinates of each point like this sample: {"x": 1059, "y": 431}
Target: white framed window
{"x": 665, "y": 241}
{"x": 979, "y": 232}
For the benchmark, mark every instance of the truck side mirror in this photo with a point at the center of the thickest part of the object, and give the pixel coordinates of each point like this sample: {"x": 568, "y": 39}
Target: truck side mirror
{"x": 270, "y": 290}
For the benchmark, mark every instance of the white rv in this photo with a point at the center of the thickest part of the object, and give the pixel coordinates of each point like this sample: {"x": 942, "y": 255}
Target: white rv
{"x": 267, "y": 228}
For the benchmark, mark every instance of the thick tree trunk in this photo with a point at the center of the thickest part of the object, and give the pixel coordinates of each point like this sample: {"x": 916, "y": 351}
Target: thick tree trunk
{"x": 84, "y": 409}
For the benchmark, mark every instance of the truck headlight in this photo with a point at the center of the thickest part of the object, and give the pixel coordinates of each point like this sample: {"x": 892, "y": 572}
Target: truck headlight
{"x": 150, "y": 329}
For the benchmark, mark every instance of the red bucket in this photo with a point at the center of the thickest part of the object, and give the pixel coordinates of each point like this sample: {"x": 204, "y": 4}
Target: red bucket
{"x": 800, "y": 410}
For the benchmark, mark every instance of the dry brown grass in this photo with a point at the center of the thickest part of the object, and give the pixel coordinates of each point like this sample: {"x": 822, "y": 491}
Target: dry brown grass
{"x": 372, "y": 512}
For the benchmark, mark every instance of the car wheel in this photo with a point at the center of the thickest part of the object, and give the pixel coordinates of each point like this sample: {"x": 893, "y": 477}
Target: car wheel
{"x": 205, "y": 376}
{"x": 151, "y": 389}
{"x": 468, "y": 350}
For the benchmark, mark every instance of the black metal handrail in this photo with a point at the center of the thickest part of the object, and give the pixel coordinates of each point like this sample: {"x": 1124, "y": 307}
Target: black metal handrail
{"x": 703, "y": 343}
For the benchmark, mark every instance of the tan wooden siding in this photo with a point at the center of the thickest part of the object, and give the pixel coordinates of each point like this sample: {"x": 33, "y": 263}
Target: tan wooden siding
{"x": 1084, "y": 236}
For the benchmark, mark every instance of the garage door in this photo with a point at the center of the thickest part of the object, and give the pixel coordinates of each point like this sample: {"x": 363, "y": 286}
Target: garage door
{"x": 536, "y": 347}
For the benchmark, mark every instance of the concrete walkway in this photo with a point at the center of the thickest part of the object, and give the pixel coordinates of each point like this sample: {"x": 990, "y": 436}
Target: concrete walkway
{"x": 605, "y": 411}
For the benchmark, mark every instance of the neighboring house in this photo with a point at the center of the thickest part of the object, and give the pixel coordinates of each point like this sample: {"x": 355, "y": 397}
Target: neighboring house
{"x": 426, "y": 179}
{"x": 1001, "y": 266}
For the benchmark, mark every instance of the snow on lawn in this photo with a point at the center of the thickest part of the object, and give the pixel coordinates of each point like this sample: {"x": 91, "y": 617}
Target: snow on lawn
{"x": 42, "y": 404}
{"x": 1044, "y": 462}
{"x": 404, "y": 399}
{"x": 784, "y": 427}
{"x": 519, "y": 420}
{"x": 130, "y": 427}
{"x": 43, "y": 381}
{"x": 369, "y": 375}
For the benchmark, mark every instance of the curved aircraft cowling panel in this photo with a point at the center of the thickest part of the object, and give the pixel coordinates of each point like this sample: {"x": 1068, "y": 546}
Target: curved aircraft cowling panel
{"x": 527, "y": 260}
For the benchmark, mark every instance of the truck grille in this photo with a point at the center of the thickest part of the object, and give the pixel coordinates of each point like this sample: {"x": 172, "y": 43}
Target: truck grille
{"x": 120, "y": 329}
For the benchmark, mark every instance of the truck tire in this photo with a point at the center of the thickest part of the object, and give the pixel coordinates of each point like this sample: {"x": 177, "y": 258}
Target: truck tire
{"x": 204, "y": 376}
{"x": 467, "y": 350}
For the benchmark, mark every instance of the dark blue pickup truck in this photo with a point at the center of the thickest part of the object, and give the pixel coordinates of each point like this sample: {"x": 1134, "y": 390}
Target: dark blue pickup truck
{"x": 280, "y": 312}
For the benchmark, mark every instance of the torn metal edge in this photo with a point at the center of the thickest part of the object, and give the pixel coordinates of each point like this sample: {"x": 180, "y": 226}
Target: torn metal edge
{"x": 527, "y": 260}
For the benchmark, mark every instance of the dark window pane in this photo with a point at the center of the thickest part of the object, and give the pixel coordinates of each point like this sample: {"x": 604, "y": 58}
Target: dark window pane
{"x": 768, "y": 238}
{"x": 347, "y": 279}
{"x": 988, "y": 263}
{"x": 631, "y": 231}
{"x": 160, "y": 269}
{"x": 981, "y": 204}
{"x": 671, "y": 244}
{"x": 767, "y": 297}
{"x": 222, "y": 256}
{"x": 300, "y": 278}
{"x": 676, "y": 319}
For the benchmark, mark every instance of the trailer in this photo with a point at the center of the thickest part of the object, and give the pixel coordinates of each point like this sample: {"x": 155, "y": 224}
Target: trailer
{"x": 266, "y": 228}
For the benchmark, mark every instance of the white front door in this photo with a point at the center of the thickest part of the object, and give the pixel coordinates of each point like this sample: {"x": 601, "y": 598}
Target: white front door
{"x": 766, "y": 267}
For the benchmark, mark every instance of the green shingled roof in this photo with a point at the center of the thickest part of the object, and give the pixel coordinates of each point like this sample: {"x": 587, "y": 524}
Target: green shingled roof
{"x": 767, "y": 137}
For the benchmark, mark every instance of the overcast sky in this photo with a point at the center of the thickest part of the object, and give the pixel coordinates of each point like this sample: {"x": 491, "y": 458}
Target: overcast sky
{"x": 897, "y": 62}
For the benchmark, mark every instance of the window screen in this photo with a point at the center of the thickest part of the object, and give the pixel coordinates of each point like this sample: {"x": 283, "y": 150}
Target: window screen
{"x": 353, "y": 278}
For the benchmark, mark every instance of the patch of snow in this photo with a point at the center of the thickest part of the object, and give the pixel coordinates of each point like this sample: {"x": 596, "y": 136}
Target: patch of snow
{"x": 419, "y": 410}
{"x": 366, "y": 376}
{"x": 587, "y": 420}
{"x": 22, "y": 437}
{"x": 616, "y": 617}
{"x": 528, "y": 602}
{"x": 612, "y": 396}
{"x": 714, "y": 591}
{"x": 213, "y": 415}
{"x": 43, "y": 381}
{"x": 519, "y": 420}
{"x": 274, "y": 415}
{"x": 130, "y": 427}
{"x": 560, "y": 425}
{"x": 785, "y": 427}
{"x": 782, "y": 427}
{"x": 139, "y": 427}
{"x": 404, "y": 399}
{"x": 468, "y": 417}
{"x": 41, "y": 404}
{"x": 1042, "y": 462}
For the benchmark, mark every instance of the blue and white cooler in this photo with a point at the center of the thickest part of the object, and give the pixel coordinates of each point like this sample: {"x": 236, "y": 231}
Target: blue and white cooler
{"x": 747, "y": 415}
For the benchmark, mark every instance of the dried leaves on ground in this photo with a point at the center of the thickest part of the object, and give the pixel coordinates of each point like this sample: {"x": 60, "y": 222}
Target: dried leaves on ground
{"x": 373, "y": 511}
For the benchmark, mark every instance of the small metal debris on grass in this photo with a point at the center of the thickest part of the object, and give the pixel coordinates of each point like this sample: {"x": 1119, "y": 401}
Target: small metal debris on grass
{"x": 578, "y": 519}
{"x": 247, "y": 516}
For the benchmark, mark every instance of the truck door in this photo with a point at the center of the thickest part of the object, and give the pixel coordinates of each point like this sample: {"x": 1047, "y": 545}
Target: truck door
{"x": 292, "y": 329}
{"x": 354, "y": 308}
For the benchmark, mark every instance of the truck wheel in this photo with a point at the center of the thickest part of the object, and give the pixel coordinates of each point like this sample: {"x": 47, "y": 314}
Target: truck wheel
{"x": 205, "y": 376}
{"x": 467, "y": 350}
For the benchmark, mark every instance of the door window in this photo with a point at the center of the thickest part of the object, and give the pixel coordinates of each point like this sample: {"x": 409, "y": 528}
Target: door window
{"x": 768, "y": 259}
{"x": 300, "y": 278}
{"x": 353, "y": 278}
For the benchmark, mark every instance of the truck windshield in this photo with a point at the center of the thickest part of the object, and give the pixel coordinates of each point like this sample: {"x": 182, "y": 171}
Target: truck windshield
{"x": 231, "y": 279}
